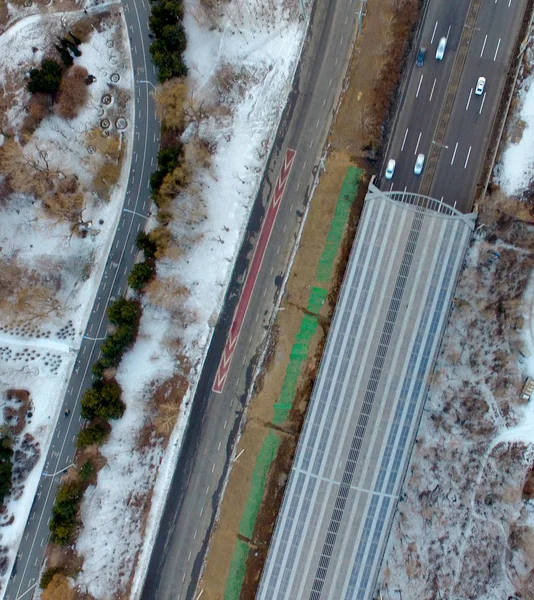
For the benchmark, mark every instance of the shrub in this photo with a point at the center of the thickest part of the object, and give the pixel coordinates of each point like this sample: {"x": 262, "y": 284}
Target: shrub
{"x": 147, "y": 245}
{"x": 124, "y": 312}
{"x": 47, "y": 576}
{"x": 87, "y": 470}
{"x": 63, "y": 521}
{"x": 165, "y": 13}
{"x": 168, "y": 160}
{"x": 103, "y": 399}
{"x": 6, "y": 465}
{"x": 92, "y": 434}
{"x": 73, "y": 92}
{"x": 46, "y": 79}
{"x": 140, "y": 275}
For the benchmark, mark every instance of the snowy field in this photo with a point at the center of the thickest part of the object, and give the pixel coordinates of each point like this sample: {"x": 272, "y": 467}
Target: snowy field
{"x": 464, "y": 528}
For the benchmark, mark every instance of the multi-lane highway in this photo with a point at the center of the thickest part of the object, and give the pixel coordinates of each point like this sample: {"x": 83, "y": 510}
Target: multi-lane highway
{"x": 199, "y": 477}
{"x": 25, "y": 573}
{"x": 440, "y": 115}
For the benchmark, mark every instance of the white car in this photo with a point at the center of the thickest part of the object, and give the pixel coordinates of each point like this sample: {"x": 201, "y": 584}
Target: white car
{"x": 419, "y": 163}
{"x": 441, "y": 48}
{"x": 481, "y": 84}
{"x": 390, "y": 169}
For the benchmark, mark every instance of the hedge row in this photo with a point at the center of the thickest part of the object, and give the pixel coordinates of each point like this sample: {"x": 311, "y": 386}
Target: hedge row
{"x": 170, "y": 42}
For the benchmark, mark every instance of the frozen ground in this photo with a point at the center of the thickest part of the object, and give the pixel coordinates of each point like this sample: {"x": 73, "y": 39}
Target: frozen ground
{"x": 515, "y": 169}
{"x": 37, "y": 351}
{"x": 464, "y": 528}
{"x": 255, "y": 47}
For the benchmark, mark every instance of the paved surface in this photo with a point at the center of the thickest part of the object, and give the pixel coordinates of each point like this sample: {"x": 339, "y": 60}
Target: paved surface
{"x": 485, "y": 38}
{"x": 25, "y": 573}
{"x": 203, "y": 464}
{"x": 365, "y": 408}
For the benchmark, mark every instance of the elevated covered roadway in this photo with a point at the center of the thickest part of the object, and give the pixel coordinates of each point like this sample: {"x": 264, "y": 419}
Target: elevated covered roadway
{"x": 358, "y": 434}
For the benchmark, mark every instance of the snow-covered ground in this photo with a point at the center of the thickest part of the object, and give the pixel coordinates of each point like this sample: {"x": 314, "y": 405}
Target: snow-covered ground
{"x": 515, "y": 170}
{"x": 261, "y": 42}
{"x": 464, "y": 527}
{"x": 37, "y": 352}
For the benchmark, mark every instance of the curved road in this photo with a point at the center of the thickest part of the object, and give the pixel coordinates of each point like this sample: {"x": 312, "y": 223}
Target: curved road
{"x": 25, "y": 573}
{"x": 196, "y": 488}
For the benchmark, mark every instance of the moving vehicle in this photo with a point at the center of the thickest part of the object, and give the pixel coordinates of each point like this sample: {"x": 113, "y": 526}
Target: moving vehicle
{"x": 419, "y": 163}
{"x": 481, "y": 84}
{"x": 67, "y": 412}
{"x": 441, "y": 48}
{"x": 390, "y": 169}
{"x": 420, "y": 57}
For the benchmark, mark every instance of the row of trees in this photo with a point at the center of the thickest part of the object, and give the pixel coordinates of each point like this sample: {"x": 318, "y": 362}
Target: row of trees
{"x": 170, "y": 41}
{"x": 101, "y": 403}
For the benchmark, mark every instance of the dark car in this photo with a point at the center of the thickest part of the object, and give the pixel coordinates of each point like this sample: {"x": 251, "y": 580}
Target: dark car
{"x": 421, "y": 56}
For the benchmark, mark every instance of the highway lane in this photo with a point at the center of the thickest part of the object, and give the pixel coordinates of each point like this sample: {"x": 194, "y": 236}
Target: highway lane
{"x": 468, "y": 134}
{"x": 424, "y": 92}
{"x": 123, "y": 252}
{"x": 464, "y": 146}
{"x": 203, "y": 464}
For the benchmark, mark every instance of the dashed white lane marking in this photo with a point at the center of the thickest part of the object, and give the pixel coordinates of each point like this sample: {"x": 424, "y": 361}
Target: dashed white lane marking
{"x": 418, "y": 140}
{"x": 434, "y": 32}
{"x": 484, "y": 44}
{"x": 454, "y": 153}
{"x": 448, "y": 31}
{"x": 219, "y": 447}
{"x": 467, "y": 159}
{"x": 469, "y": 99}
{"x": 497, "y": 50}
{"x": 482, "y": 103}
{"x": 432, "y": 92}
{"x": 404, "y": 140}
{"x": 419, "y": 86}
{"x": 391, "y": 188}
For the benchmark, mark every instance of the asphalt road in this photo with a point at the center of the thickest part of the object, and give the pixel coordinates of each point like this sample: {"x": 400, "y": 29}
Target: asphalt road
{"x": 25, "y": 573}
{"x": 463, "y": 147}
{"x": 196, "y": 488}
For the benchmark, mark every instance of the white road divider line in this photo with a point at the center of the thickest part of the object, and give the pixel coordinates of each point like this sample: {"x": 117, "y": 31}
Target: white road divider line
{"x": 418, "y": 140}
{"x": 432, "y": 92}
{"x": 484, "y": 44}
{"x": 469, "y": 99}
{"x": 434, "y": 32}
{"x": 482, "y": 103}
{"x": 404, "y": 140}
{"x": 467, "y": 159}
{"x": 419, "y": 86}
{"x": 454, "y": 153}
{"x": 497, "y": 50}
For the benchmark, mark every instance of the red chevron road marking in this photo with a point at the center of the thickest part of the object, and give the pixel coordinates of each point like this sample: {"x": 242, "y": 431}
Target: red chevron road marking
{"x": 252, "y": 276}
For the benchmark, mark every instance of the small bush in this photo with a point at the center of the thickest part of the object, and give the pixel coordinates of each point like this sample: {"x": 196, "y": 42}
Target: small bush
{"x": 140, "y": 275}
{"x": 146, "y": 244}
{"x": 168, "y": 160}
{"x": 46, "y": 79}
{"x": 124, "y": 312}
{"x": 87, "y": 471}
{"x": 64, "y": 511}
{"x": 6, "y": 465}
{"x": 72, "y": 92}
{"x": 92, "y": 434}
{"x": 103, "y": 399}
{"x": 47, "y": 576}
